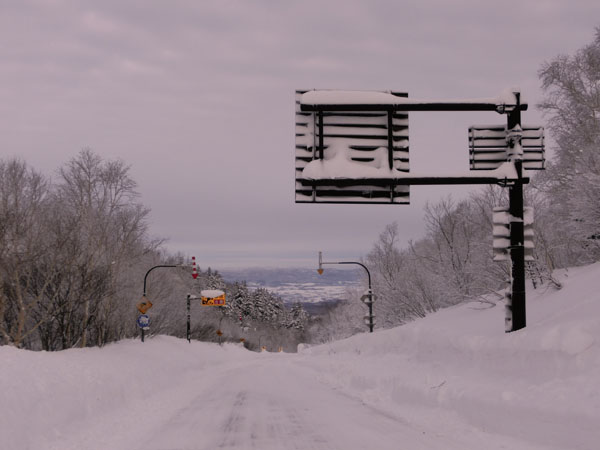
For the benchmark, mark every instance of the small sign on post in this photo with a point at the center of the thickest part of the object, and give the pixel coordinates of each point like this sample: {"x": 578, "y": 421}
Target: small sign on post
{"x": 212, "y": 297}
{"x": 143, "y": 305}
{"x": 143, "y": 321}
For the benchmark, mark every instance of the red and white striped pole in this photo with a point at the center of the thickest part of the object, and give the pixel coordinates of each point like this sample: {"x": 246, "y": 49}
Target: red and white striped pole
{"x": 194, "y": 271}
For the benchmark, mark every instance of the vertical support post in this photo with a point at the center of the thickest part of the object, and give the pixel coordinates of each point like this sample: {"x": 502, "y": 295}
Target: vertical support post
{"x": 220, "y": 332}
{"x": 370, "y": 290}
{"x": 390, "y": 137}
{"x": 371, "y": 314}
{"x": 515, "y": 308}
{"x": 517, "y": 257}
{"x": 321, "y": 139}
{"x": 189, "y": 335}
{"x": 146, "y": 278}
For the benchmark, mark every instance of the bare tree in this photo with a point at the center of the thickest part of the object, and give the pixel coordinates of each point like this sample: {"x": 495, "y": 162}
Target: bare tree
{"x": 106, "y": 231}
{"x": 23, "y": 243}
{"x": 572, "y": 181}
{"x": 66, "y": 252}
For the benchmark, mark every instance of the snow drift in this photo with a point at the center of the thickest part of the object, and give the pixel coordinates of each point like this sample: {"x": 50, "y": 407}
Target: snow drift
{"x": 455, "y": 373}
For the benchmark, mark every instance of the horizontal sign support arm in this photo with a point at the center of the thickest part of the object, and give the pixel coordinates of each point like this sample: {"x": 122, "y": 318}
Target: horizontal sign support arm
{"x": 416, "y": 180}
{"x": 326, "y": 100}
{"x": 417, "y": 106}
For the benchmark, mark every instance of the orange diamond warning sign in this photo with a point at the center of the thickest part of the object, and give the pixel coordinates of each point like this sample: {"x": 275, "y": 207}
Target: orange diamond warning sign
{"x": 144, "y": 305}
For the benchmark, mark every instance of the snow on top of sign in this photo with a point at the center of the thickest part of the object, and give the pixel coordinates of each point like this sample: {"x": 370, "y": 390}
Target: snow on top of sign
{"x": 212, "y": 293}
{"x": 340, "y": 97}
{"x": 507, "y": 96}
{"x": 500, "y": 231}
{"x": 349, "y": 97}
{"x": 502, "y": 215}
{"x": 337, "y": 163}
{"x": 506, "y": 171}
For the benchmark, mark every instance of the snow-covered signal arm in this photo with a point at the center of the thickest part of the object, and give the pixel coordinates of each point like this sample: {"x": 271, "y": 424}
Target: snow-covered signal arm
{"x": 358, "y": 139}
{"x": 352, "y": 147}
{"x": 339, "y": 100}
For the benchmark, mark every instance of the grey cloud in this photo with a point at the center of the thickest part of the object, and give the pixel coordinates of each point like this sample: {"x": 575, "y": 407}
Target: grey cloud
{"x": 199, "y": 98}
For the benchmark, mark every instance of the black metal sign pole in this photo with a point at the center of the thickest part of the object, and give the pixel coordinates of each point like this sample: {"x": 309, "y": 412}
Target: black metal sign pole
{"x": 189, "y": 335}
{"x": 146, "y": 277}
{"x": 370, "y": 290}
{"x": 515, "y": 302}
{"x": 515, "y": 305}
{"x": 156, "y": 267}
{"x": 370, "y": 304}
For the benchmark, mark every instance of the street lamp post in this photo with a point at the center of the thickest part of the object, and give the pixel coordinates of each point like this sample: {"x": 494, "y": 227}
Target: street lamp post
{"x": 367, "y": 298}
{"x": 146, "y": 278}
{"x": 219, "y": 332}
{"x": 189, "y": 326}
{"x": 156, "y": 267}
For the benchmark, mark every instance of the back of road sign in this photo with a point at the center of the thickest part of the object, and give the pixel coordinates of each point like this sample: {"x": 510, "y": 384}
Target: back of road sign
{"x": 488, "y": 147}
{"x": 346, "y": 156}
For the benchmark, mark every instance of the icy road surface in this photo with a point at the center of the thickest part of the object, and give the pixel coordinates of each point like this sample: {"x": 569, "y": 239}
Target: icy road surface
{"x": 270, "y": 401}
{"x": 275, "y": 404}
{"x": 203, "y": 397}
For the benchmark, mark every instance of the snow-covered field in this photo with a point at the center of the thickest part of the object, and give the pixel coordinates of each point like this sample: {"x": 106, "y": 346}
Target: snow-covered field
{"x": 453, "y": 380}
{"x": 309, "y": 292}
{"x": 300, "y": 284}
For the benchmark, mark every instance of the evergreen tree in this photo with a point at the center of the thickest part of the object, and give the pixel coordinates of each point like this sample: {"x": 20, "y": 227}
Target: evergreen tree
{"x": 297, "y": 317}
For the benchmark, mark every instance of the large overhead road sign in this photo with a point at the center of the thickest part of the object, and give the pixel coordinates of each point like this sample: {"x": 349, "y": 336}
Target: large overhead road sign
{"x": 352, "y": 147}
{"x": 333, "y": 144}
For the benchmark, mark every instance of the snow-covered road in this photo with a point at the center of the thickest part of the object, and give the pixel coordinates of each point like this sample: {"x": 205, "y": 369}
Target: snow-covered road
{"x": 451, "y": 381}
{"x": 230, "y": 398}
{"x": 276, "y": 404}
{"x": 268, "y": 401}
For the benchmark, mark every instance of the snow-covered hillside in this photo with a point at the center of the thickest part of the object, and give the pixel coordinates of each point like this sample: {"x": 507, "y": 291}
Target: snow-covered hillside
{"x": 453, "y": 380}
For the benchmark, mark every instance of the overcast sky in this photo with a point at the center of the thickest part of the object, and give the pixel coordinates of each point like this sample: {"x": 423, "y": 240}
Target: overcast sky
{"x": 198, "y": 97}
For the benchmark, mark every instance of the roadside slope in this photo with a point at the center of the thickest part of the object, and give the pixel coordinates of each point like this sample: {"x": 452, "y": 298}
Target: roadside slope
{"x": 538, "y": 384}
{"x": 453, "y": 380}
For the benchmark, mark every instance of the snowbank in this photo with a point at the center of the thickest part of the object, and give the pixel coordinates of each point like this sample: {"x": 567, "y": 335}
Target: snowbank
{"x": 539, "y": 384}
{"x": 455, "y": 371}
{"x": 47, "y": 394}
